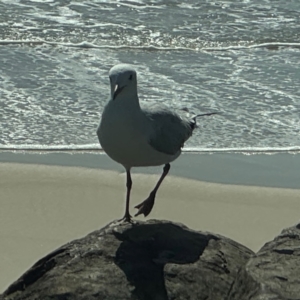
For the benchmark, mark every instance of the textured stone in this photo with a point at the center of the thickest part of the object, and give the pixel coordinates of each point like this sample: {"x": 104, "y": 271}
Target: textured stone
{"x": 274, "y": 272}
{"x": 156, "y": 260}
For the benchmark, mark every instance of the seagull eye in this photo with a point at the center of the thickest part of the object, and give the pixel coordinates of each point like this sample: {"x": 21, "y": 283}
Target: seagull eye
{"x": 130, "y": 77}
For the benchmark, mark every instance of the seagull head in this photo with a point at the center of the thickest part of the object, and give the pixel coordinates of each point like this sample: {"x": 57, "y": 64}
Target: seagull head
{"x": 122, "y": 81}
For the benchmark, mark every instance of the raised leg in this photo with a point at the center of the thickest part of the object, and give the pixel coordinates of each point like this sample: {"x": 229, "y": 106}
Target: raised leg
{"x": 146, "y": 206}
{"x": 127, "y": 216}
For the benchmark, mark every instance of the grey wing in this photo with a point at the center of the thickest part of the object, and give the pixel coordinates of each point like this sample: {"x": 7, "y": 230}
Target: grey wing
{"x": 169, "y": 130}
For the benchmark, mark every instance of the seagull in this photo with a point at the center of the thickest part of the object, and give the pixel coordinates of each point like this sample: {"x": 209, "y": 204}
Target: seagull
{"x": 137, "y": 137}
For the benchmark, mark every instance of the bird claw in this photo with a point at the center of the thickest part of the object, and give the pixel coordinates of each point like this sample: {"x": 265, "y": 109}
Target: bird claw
{"x": 127, "y": 218}
{"x": 145, "y": 207}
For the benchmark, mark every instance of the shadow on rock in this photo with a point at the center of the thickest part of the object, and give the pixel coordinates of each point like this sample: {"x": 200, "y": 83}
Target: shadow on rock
{"x": 153, "y": 260}
{"x": 146, "y": 248}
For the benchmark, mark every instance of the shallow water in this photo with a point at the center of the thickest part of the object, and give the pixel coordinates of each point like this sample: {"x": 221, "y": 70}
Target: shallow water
{"x": 241, "y": 59}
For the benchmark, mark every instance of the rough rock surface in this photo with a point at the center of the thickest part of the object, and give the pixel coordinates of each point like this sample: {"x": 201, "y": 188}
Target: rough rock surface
{"x": 274, "y": 272}
{"x": 153, "y": 260}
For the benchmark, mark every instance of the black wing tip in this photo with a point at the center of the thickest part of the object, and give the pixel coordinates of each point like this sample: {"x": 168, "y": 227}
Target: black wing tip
{"x": 208, "y": 114}
{"x": 193, "y": 123}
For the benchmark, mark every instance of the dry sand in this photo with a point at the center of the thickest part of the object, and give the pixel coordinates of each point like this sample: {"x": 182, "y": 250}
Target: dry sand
{"x": 43, "y": 207}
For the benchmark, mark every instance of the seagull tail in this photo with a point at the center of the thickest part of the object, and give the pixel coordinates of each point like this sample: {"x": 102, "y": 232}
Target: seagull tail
{"x": 193, "y": 123}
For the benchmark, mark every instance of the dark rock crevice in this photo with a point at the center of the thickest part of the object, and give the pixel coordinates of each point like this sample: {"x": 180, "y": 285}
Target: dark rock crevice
{"x": 36, "y": 272}
{"x": 273, "y": 272}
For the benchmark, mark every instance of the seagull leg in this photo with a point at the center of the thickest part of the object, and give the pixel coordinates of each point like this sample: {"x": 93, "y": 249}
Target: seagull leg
{"x": 127, "y": 216}
{"x": 146, "y": 206}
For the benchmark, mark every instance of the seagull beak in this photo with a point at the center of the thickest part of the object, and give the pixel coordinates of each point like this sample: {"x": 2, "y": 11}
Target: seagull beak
{"x": 117, "y": 91}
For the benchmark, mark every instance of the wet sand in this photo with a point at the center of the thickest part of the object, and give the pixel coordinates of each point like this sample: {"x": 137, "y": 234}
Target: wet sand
{"x": 45, "y": 206}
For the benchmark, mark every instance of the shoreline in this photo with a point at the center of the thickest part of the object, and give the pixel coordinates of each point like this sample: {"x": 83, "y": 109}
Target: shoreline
{"x": 266, "y": 170}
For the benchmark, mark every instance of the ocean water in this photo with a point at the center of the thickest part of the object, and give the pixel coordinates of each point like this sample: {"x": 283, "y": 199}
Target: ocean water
{"x": 241, "y": 58}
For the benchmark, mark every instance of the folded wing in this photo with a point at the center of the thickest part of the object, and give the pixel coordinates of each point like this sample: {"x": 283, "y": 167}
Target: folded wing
{"x": 169, "y": 130}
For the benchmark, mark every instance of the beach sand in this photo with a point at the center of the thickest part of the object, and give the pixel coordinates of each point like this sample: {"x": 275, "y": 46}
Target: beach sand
{"x": 44, "y": 207}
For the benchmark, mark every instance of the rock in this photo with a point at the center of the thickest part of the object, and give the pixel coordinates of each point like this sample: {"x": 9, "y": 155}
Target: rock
{"x": 274, "y": 272}
{"x": 153, "y": 260}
